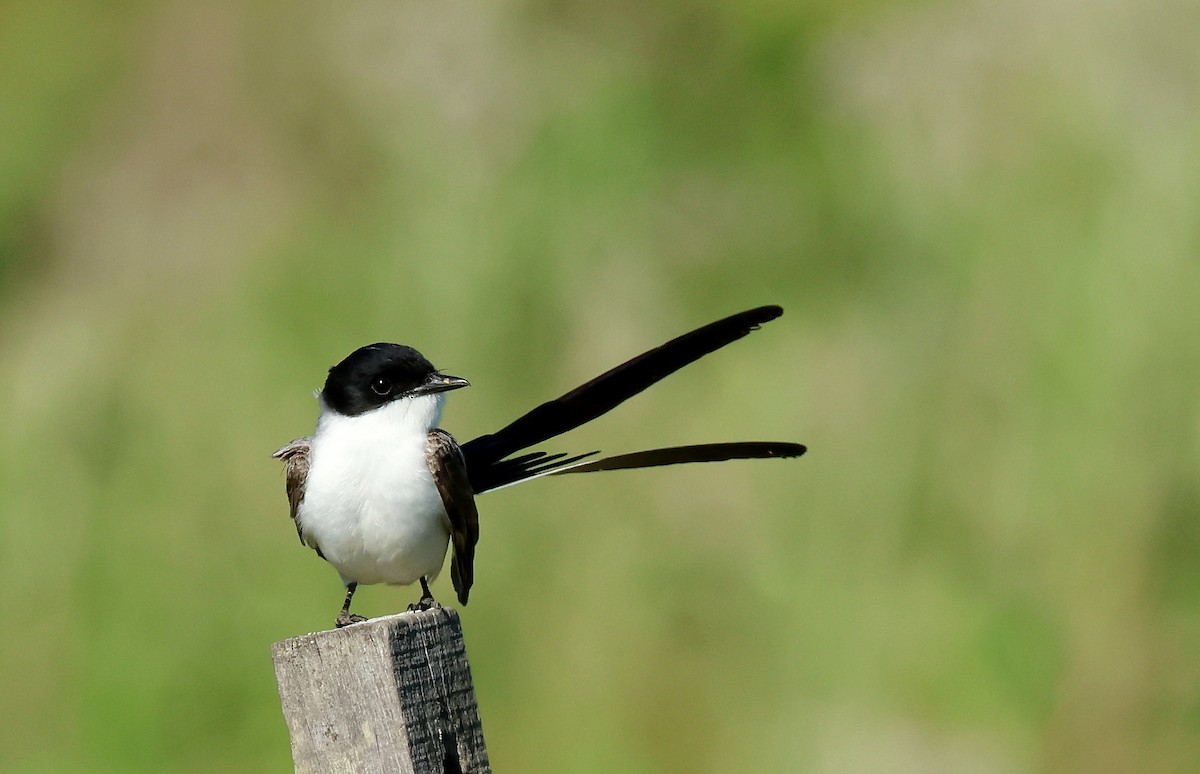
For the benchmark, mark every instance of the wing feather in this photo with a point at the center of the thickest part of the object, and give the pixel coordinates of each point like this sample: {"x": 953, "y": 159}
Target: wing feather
{"x": 296, "y": 459}
{"x": 450, "y": 475}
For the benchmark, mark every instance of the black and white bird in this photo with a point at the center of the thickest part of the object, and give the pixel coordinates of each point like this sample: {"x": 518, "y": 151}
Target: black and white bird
{"x": 379, "y": 491}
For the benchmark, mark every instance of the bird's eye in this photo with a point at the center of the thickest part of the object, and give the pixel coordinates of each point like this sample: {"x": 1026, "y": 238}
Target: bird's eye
{"x": 381, "y": 386}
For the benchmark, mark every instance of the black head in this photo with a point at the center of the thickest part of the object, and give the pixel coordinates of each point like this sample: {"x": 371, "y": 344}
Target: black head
{"x": 377, "y": 374}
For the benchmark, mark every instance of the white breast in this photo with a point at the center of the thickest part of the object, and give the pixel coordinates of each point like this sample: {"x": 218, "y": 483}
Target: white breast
{"x": 370, "y": 503}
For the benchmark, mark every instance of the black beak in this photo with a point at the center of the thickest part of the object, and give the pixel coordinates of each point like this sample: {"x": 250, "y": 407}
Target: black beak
{"x": 436, "y": 382}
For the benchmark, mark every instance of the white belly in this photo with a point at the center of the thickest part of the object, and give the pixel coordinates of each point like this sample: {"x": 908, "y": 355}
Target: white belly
{"x": 371, "y": 507}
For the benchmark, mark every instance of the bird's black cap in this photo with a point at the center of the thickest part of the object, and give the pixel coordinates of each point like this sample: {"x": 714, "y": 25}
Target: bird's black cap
{"x": 379, "y": 373}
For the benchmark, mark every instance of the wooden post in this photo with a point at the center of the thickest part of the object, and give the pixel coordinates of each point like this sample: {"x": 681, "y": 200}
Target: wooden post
{"x": 391, "y": 694}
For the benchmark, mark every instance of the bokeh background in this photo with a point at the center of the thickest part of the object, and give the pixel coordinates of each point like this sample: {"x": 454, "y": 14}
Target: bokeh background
{"x": 981, "y": 218}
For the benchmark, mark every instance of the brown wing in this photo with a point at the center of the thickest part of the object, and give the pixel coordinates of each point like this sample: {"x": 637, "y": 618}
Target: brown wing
{"x": 450, "y": 474}
{"x": 296, "y": 458}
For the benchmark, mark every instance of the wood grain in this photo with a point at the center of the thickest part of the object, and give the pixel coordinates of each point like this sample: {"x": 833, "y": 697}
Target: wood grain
{"x": 392, "y": 694}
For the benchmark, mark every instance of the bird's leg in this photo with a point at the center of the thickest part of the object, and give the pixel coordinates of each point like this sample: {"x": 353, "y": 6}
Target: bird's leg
{"x": 345, "y": 618}
{"x": 426, "y": 595}
{"x": 427, "y": 601}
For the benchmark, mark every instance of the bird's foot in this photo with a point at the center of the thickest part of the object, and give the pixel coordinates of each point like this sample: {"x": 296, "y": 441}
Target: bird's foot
{"x": 425, "y": 603}
{"x": 345, "y": 618}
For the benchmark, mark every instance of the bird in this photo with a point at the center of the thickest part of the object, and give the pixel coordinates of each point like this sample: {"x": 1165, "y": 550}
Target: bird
{"x": 382, "y": 493}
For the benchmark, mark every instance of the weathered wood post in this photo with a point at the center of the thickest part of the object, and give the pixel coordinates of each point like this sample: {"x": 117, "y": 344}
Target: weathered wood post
{"x": 391, "y": 694}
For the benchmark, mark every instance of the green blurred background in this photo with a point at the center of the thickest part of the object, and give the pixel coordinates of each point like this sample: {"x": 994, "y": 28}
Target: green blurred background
{"x": 980, "y": 217}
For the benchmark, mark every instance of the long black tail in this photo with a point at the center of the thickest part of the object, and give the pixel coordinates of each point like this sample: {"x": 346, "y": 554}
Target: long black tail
{"x": 537, "y": 465}
{"x": 485, "y": 455}
{"x": 678, "y": 455}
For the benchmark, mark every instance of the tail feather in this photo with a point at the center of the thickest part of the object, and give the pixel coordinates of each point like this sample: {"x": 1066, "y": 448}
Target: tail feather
{"x": 679, "y": 455}
{"x": 484, "y": 454}
{"x": 652, "y": 458}
{"x": 526, "y": 467}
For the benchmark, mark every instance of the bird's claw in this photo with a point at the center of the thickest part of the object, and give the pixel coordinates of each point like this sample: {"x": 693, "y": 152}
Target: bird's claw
{"x": 425, "y": 603}
{"x": 346, "y": 618}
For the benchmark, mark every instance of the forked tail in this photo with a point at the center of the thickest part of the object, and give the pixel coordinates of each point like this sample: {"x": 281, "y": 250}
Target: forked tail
{"x": 485, "y": 456}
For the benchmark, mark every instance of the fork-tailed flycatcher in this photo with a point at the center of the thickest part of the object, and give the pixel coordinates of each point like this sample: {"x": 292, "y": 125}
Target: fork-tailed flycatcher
{"x": 379, "y": 491}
